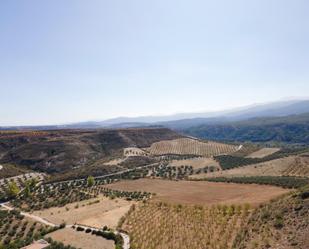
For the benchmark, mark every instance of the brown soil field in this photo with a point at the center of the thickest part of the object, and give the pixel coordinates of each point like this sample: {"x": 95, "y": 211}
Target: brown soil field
{"x": 188, "y": 146}
{"x": 68, "y": 236}
{"x": 263, "y": 152}
{"x": 196, "y": 163}
{"x": 106, "y": 212}
{"x": 202, "y": 192}
{"x": 287, "y": 166}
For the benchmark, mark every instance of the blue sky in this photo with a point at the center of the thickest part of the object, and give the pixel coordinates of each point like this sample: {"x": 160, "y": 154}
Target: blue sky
{"x": 68, "y": 61}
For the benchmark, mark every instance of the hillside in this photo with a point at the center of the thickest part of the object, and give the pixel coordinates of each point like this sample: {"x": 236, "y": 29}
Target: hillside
{"x": 282, "y": 223}
{"x": 290, "y": 129}
{"x": 188, "y": 146}
{"x": 64, "y": 150}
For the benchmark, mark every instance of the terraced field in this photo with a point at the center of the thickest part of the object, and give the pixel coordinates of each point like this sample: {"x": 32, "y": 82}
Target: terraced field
{"x": 188, "y": 146}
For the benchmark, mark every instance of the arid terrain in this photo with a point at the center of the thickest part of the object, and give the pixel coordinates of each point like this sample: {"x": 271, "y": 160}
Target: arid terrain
{"x": 201, "y": 193}
{"x": 150, "y": 188}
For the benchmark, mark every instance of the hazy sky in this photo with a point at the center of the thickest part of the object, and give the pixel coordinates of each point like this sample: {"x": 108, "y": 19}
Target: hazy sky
{"x": 66, "y": 61}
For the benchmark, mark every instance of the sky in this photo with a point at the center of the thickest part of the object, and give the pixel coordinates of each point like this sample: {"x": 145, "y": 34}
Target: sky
{"x": 75, "y": 60}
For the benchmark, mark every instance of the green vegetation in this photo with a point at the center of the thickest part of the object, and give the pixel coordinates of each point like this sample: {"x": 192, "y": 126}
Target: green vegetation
{"x": 291, "y": 129}
{"x": 172, "y": 172}
{"x": 13, "y": 189}
{"x": 280, "y": 181}
{"x": 90, "y": 181}
{"x": 16, "y": 231}
{"x": 60, "y": 194}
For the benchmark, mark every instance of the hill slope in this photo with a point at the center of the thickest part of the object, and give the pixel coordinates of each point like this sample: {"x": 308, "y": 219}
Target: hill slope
{"x": 63, "y": 150}
{"x": 290, "y": 129}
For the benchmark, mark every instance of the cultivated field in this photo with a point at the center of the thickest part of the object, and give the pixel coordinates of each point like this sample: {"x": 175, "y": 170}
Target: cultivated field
{"x": 16, "y": 227}
{"x": 286, "y": 166}
{"x": 201, "y": 192}
{"x": 95, "y": 212}
{"x": 188, "y": 146}
{"x": 196, "y": 163}
{"x": 20, "y": 179}
{"x": 68, "y": 236}
{"x": 263, "y": 152}
{"x": 183, "y": 227}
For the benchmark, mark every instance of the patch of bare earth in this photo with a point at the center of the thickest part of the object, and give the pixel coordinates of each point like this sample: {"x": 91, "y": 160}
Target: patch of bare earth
{"x": 69, "y": 236}
{"x": 263, "y": 152}
{"x": 202, "y": 192}
{"x": 90, "y": 212}
{"x": 114, "y": 162}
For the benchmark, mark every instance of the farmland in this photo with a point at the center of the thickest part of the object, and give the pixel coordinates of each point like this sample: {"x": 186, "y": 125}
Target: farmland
{"x": 196, "y": 193}
{"x": 196, "y": 163}
{"x": 182, "y": 227}
{"x": 188, "y": 146}
{"x": 17, "y": 230}
{"x": 95, "y": 212}
{"x": 263, "y": 152}
{"x": 201, "y": 193}
{"x": 81, "y": 239}
{"x": 287, "y": 166}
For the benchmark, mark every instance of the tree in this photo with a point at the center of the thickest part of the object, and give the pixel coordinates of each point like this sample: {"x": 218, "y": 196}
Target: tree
{"x": 13, "y": 189}
{"x": 90, "y": 181}
{"x": 27, "y": 190}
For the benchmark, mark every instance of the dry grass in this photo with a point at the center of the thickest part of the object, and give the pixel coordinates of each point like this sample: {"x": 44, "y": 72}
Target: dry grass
{"x": 201, "y": 192}
{"x": 287, "y": 166}
{"x": 68, "y": 236}
{"x": 187, "y": 146}
{"x": 196, "y": 163}
{"x": 263, "y": 152}
{"x": 114, "y": 162}
{"x": 90, "y": 212}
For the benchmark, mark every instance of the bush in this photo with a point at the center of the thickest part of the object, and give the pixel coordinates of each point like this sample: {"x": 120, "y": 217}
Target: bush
{"x": 80, "y": 229}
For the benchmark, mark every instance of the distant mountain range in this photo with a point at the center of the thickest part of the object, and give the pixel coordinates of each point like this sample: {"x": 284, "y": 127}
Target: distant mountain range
{"x": 187, "y": 120}
{"x": 292, "y": 129}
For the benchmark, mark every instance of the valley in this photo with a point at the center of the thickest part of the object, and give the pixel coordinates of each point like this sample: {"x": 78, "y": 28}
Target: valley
{"x": 99, "y": 189}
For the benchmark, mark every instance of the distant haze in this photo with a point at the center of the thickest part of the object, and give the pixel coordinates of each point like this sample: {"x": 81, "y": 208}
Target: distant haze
{"x": 70, "y": 61}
